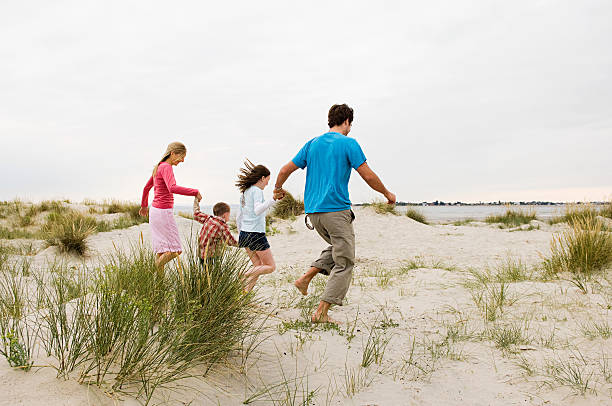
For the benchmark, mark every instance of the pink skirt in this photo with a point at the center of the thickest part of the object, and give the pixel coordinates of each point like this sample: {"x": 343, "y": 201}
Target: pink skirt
{"x": 164, "y": 232}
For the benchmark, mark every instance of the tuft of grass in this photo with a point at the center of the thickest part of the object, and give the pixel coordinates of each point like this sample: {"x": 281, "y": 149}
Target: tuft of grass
{"x": 576, "y": 213}
{"x": 594, "y": 330}
{"x": 383, "y": 277}
{"x": 512, "y": 270}
{"x": 290, "y": 391}
{"x": 8, "y": 234}
{"x": 69, "y": 231}
{"x": 606, "y": 210}
{"x": 463, "y": 222}
{"x": 512, "y": 217}
{"x": 381, "y": 207}
{"x": 491, "y": 299}
{"x": 574, "y": 374}
{"x": 525, "y": 365}
{"x": 507, "y": 337}
{"x": 355, "y": 379}
{"x": 288, "y": 207}
{"x": 416, "y": 215}
{"x": 584, "y": 249}
{"x": 375, "y": 347}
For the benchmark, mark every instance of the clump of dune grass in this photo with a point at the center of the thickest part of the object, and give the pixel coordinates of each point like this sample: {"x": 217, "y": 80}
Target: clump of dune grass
{"x": 416, "y": 215}
{"x": 491, "y": 298}
{"x": 128, "y": 328}
{"x": 9, "y": 234}
{"x": 576, "y": 212}
{"x": 131, "y": 210}
{"x": 17, "y": 334}
{"x": 288, "y": 207}
{"x": 606, "y": 210}
{"x": 69, "y": 231}
{"x": 584, "y": 249}
{"x": 463, "y": 222}
{"x": 512, "y": 217}
{"x": 506, "y": 338}
{"x": 381, "y": 207}
{"x": 594, "y": 330}
{"x": 573, "y": 373}
{"x": 512, "y": 270}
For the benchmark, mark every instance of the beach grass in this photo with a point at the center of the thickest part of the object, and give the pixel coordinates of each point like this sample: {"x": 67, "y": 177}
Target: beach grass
{"x": 606, "y": 210}
{"x": 288, "y": 207}
{"x": 381, "y": 207}
{"x": 512, "y": 217}
{"x": 584, "y": 249}
{"x": 577, "y": 213}
{"x": 69, "y": 231}
{"x": 127, "y": 328}
{"x": 416, "y": 215}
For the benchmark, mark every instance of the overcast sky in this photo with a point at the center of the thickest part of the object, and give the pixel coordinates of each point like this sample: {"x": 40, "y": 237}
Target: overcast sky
{"x": 454, "y": 100}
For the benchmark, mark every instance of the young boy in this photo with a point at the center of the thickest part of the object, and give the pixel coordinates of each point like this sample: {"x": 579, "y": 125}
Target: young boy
{"x": 215, "y": 232}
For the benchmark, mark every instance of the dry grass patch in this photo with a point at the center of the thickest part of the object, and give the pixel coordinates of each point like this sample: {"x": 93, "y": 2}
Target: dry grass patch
{"x": 288, "y": 207}
{"x": 583, "y": 250}
{"x": 381, "y": 207}
{"x": 513, "y": 217}
{"x": 416, "y": 215}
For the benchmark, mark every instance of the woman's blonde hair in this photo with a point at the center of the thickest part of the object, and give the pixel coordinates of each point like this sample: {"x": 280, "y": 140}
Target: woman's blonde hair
{"x": 176, "y": 147}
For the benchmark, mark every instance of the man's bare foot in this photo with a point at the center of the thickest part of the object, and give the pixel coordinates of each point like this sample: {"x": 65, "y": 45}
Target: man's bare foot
{"x": 302, "y": 286}
{"x": 323, "y": 318}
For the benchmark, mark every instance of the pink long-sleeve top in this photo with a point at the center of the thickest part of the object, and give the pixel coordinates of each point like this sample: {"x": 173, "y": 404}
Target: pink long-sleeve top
{"x": 164, "y": 188}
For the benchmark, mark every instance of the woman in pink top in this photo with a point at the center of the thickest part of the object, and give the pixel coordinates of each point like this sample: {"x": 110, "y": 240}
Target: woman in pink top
{"x": 164, "y": 232}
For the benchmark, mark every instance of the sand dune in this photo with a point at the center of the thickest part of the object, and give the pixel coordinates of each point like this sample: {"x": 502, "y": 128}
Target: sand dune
{"x": 413, "y": 289}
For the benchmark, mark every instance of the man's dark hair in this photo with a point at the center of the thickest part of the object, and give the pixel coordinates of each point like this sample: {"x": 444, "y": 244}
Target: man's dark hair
{"x": 338, "y": 114}
{"x": 220, "y": 209}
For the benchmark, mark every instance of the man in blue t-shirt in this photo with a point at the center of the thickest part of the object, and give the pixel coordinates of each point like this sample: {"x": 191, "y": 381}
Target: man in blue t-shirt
{"x": 329, "y": 160}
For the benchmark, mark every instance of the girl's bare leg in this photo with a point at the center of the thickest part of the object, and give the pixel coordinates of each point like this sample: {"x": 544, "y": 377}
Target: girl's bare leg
{"x": 163, "y": 258}
{"x": 267, "y": 265}
{"x": 254, "y": 258}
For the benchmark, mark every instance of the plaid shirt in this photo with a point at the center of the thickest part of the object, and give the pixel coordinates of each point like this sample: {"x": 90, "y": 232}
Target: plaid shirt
{"x": 214, "y": 230}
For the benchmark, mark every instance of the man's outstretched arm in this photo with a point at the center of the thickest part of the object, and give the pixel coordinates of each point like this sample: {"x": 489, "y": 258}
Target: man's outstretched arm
{"x": 284, "y": 173}
{"x": 374, "y": 182}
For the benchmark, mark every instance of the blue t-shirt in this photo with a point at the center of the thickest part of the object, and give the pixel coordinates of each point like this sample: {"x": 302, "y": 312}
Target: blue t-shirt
{"x": 329, "y": 159}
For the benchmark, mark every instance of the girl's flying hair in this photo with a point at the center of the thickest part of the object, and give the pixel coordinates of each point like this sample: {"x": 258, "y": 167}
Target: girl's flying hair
{"x": 176, "y": 147}
{"x": 250, "y": 175}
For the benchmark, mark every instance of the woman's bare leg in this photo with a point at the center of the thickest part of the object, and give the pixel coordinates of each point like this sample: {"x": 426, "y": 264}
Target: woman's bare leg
{"x": 267, "y": 265}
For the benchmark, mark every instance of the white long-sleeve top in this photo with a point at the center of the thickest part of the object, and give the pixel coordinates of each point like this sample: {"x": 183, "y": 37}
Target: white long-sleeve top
{"x": 251, "y": 216}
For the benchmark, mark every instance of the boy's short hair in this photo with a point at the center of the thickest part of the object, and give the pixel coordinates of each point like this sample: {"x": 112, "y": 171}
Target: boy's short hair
{"x": 220, "y": 209}
{"x": 338, "y": 114}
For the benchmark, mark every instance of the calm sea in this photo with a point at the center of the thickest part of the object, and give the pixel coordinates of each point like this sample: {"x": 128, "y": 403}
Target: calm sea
{"x": 442, "y": 214}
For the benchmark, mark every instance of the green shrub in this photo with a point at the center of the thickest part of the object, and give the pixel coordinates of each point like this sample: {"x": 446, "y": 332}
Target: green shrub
{"x": 512, "y": 217}
{"x": 416, "y": 215}
{"x": 288, "y": 207}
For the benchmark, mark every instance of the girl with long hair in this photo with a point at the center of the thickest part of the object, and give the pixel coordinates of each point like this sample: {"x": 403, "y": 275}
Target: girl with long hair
{"x": 164, "y": 232}
{"x": 251, "y": 221}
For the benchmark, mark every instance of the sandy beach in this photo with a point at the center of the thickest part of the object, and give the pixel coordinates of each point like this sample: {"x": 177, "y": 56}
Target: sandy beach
{"x": 415, "y": 308}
